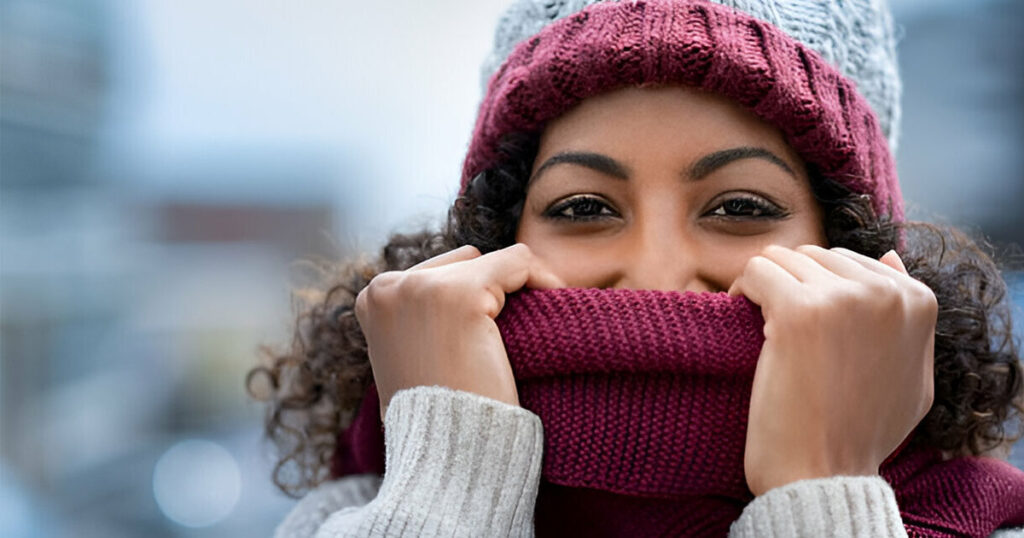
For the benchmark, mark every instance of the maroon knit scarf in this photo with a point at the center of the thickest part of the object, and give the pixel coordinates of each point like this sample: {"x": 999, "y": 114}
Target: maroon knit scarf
{"x": 644, "y": 398}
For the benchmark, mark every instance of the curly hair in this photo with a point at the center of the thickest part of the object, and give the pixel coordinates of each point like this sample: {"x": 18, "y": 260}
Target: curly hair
{"x": 317, "y": 384}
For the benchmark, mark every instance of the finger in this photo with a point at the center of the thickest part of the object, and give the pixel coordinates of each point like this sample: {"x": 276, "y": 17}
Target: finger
{"x": 463, "y": 253}
{"x": 870, "y": 263}
{"x": 892, "y": 259}
{"x": 842, "y": 266}
{"x": 801, "y": 266}
{"x": 764, "y": 282}
{"x": 514, "y": 267}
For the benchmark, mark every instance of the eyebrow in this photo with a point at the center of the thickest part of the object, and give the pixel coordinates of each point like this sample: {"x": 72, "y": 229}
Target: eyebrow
{"x": 713, "y": 161}
{"x": 595, "y": 161}
{"x": 701, "y": 169}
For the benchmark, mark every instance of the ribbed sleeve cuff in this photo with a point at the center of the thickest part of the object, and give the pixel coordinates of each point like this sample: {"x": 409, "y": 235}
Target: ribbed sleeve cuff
{"x": 310, "y": 512}
{"x": 458, "y": 464}
{"x": 839, "y": 506}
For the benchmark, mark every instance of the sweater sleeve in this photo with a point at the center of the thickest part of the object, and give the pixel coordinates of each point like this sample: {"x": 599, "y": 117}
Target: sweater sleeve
{"x": 310, "y": 512}
{"x": 842, "y": 506}
{"x": 458, "y": 464}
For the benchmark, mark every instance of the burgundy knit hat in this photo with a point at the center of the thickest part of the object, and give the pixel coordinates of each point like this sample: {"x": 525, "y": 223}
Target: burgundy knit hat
{"x": 699, "y": 44}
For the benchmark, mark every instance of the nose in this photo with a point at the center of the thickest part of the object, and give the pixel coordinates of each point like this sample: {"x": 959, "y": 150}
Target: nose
{"x": 657, "y": 260}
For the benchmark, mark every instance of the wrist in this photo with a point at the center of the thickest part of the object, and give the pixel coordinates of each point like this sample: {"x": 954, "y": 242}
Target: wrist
{"x": 778, "y": 476}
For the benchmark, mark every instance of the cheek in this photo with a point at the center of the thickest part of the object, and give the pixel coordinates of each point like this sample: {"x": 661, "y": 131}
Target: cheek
{"x": 810, "y": 231}
{"x": 732, "y": 254}
{"x": 580, "y": 263}
{"x": 724, "y": 262}
{"x": 810, "y": 227}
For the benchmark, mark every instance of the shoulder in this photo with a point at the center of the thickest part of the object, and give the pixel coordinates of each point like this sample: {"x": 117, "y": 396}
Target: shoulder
{"x": 329, "y": 497}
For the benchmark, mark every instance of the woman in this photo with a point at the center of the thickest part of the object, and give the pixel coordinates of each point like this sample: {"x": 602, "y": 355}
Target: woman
{"x": 650, "y": 171}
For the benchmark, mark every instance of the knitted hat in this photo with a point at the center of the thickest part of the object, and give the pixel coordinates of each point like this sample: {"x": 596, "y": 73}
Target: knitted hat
{"x": 857, "y": 37}
{"x": 697, "y": 43}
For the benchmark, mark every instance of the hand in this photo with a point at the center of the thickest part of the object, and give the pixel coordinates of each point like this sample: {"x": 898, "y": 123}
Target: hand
{"x": 845, "y": 373}
{"x": 433, "y": 324}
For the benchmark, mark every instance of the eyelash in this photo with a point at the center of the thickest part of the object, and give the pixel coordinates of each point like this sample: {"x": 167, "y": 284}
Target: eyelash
{"x": 768, "y": 210}
{"x": 573, "y": 202}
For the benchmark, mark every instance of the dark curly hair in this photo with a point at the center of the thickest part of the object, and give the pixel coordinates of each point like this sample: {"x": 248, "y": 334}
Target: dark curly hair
{"x": 315, "y": 386}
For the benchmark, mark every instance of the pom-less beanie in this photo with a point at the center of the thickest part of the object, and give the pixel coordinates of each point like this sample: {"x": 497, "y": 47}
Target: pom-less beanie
{"x": 856, "y": 36}
{"x": 700, "y": 44}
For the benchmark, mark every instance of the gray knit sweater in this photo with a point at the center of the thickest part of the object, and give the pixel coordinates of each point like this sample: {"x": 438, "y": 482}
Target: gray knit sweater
{"x": 460, "y": 464}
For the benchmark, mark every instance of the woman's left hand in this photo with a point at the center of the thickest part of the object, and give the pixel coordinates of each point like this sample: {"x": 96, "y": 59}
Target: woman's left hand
{"x": 845, "y": 373}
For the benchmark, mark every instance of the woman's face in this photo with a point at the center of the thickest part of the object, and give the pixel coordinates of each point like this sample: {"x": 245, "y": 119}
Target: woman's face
{"x": 663, "y": 188}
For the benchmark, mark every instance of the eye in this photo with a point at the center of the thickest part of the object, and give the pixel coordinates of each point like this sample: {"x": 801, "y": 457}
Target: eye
{"x": 747, "y": 207}
{"x": 581, "y": 208}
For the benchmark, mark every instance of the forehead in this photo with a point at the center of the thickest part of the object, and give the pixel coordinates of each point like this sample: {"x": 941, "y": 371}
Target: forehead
{"x": 671, "y": 120}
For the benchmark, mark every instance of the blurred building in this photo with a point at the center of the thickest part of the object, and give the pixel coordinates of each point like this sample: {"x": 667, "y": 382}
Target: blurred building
{"x": 960, "y": 158}
{"x": 130, "y": 314}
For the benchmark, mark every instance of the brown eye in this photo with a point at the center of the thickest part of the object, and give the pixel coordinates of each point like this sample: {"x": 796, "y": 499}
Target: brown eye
{"x": 747, "y": 207}
{"x": 581, "y": 208}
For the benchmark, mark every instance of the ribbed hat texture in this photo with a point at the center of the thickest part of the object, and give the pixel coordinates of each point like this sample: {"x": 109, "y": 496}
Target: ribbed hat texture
{"x": 856, "y": 36}
{"x": 700, "y": 44}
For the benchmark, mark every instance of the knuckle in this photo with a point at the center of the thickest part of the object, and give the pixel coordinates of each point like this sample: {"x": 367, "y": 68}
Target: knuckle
{"x": 372, "y": 292}
{"x": 360, "y": 304}
{"x": 815, "y": 305}
{"x": 427, "y": 287}
{"x": 886, "y": 285}
{"x": 926, "y": 402}
{"x": 372, "y": 295}
{"x": 929, "y": 395}
{"x": 806, "y": 314}
{"x": 446, "y": 289}
{"x": 414, "y": 284}
{"x": 839, "y": 296}
{"x": 520, "y": 250}
{"x": 925, "y": 297}
{"x": 382, "y": 279}
{"x": 809, "y": 249}
{"x": 884, "y": 290}
{"x": 756, "y": 264}
{"x": 802, "y": 308}
{"x": 471, "y": 249}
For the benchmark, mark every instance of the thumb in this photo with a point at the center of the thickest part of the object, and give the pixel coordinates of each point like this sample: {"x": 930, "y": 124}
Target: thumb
{"x": 892, "y": 259}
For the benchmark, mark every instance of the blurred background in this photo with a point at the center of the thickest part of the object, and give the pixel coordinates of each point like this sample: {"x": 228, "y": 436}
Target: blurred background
{"x": 163, "y": 163}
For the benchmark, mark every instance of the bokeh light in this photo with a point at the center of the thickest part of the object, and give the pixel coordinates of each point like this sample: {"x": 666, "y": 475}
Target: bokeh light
{"x": 196, "y": 483}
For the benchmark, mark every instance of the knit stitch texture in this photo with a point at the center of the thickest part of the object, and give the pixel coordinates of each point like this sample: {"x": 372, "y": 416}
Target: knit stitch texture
{"x": 643, "y": 396}
{"x": 699, "y": 44}
{"x": 858, "y": 37}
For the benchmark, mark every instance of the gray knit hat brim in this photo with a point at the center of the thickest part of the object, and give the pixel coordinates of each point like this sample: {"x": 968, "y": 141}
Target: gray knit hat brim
{"x": 855, "y": 36}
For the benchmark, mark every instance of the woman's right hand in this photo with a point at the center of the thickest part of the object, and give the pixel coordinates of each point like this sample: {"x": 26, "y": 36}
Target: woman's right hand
{"x": 433, "y": 324}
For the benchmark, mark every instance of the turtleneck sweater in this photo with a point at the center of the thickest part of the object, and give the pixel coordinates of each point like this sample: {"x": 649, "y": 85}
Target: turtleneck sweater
{"x": 601, "y": 374}
{"x": 461, "y": 464}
